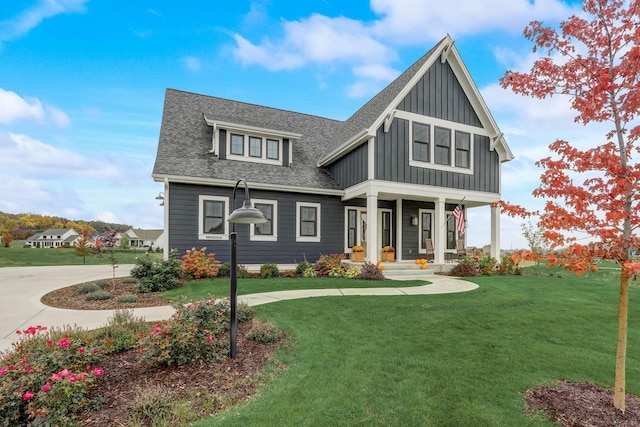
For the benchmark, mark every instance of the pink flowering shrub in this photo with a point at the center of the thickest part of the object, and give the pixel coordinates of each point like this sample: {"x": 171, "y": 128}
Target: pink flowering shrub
{"x": 192, "y": 334}
{"x": 199, "y": 264}
{"x": 45, "y": 378}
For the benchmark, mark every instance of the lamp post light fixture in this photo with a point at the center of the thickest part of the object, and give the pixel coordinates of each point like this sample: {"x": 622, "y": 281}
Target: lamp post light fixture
{"x": 247, "y": 214}
{"x": 160, "y": 197}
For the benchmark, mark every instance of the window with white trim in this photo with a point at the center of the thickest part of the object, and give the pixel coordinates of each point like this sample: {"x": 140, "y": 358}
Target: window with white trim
{"x": 212, "y": 218}
{"x": 307, "y": 222}
{"x": 237, "y": 144}
{"x": 267, "y": 231}
{"x": 273, "y": 151}
{"x": 254, "y": 148}
{"x": 421, "y": 138}
{"x": 442, "y": 146}
{"x": 463, "y": 149}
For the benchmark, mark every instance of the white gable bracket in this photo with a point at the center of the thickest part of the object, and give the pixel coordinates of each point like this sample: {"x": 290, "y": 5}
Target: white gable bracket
{"x": 213, "y": 137}
{"x": 495, "y": 140}
{"x": 446, "y": 51}
{"x": 388, "y": 120}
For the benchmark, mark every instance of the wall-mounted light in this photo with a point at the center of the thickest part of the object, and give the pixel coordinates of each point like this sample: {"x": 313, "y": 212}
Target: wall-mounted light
{"x": 414, "y": 220}
{"x": 160, "y": 197}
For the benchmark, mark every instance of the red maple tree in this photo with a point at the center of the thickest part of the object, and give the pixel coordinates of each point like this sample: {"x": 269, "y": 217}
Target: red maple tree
{"x": 595, "y": 60}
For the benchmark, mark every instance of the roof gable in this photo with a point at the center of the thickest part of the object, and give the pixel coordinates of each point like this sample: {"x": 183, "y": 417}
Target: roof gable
{"x": 364, "y": 123}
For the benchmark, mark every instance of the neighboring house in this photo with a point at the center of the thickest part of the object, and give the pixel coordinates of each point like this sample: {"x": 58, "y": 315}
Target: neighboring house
{"x": 53, "y": 238}
{"x": 104, "y": 237}
{"x": 389, "y": 175}
{"x": 139, "y": 238}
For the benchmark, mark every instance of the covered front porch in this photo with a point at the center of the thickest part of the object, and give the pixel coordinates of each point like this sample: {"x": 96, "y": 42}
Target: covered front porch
{"x": 406, "y": 215}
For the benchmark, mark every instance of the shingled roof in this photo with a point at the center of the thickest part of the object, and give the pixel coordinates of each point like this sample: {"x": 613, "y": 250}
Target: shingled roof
{"x": 185, "y": 142}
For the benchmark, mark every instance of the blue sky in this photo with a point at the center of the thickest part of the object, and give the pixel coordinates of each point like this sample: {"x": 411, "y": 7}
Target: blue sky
{"x": 82, "y": 85}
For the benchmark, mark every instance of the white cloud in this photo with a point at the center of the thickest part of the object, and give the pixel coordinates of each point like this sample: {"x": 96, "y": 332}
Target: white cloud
{"x": 193, "y": 63}
{"x": 13, "y": 108}
{"x": 30, "y": 157}
{"x": 32, "y": 17}
{"x": 410, "y": 21}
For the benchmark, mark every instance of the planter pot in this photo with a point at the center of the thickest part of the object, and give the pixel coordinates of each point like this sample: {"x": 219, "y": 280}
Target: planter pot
{"x": 357, "y": 256}
{"x": 388, "y": 256}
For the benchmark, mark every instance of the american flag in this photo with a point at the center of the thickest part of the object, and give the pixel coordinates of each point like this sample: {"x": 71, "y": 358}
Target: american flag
{"x": 459, "y": 216}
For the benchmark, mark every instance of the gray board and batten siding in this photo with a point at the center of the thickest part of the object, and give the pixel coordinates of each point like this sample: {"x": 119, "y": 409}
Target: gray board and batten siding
{"x": 437, "y": 94}
{"x": 183, "y": 226}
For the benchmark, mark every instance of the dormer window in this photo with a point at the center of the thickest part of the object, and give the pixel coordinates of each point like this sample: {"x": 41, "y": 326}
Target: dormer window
{"x": 251, "y": 144}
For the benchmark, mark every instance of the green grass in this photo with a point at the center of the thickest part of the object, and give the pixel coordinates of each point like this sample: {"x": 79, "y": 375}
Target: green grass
{"x": 17, "y": 256}
{"x": 218, "y": 288}
{"x": 441, "y": 360}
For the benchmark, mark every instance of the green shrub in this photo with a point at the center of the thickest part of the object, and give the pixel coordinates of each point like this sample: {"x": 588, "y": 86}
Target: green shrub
{"x": 370, "y": 271}
{"x": 98, "y": 296}
{"x": 122, "y": 332}
{"x": 508, "y": 266}
{"x": 87, "y": 288}
{"x": 310, "y": 271}
{"x": 244, "y": 312}
{"x": 157, "y": 276}
{"x": 303, "y": 266}
{"x": 102, "y": 283}
{"x": 352, "y": 273}
{"x": 224, "y": 270}
{"x": 337, "y": 272}
{"x": 269, "y": 270}
{"x": 241, "y": 271}
{"x": 473, "y": 266}
{"x": 191, "y": 335}
{"x": 128, "y": 298}
{"x": 264, "y": 332}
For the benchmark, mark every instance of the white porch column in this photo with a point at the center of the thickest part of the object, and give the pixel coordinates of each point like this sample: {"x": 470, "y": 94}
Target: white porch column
{"x": 439, "y": 233}
{"x": 372, "y": 227}
{"x": 398, "y": 230}
{"x": 495, "y": 232}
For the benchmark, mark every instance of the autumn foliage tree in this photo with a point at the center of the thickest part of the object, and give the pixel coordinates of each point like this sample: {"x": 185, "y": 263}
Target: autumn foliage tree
{"x": 594, "y": 59}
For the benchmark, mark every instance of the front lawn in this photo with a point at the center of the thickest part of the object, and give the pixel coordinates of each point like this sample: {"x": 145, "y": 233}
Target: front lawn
{"x": 458, "y": 359}
{"x": 17, "y": 256}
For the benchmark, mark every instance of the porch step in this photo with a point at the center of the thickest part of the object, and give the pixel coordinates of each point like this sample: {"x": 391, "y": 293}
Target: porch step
{"x": 409, "y": 270}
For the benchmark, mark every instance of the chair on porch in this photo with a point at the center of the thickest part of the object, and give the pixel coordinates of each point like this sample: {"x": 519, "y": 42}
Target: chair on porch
{"x": 428, "y": 245}
{"x": 461, "y": 250}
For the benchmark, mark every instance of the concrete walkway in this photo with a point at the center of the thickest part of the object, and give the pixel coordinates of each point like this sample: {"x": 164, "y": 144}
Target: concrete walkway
{"x": 21, "y": 289}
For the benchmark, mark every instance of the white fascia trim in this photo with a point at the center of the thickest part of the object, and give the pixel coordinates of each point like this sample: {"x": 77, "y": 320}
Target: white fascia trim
{"x": 419, "y": 192}
{"x": 247, "y": 128}
{"x": 342, "y": 149}
{"x": 252, "y": 185}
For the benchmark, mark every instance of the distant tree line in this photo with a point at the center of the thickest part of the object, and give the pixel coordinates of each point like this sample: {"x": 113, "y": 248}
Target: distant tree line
{"x": 23, "y": 226}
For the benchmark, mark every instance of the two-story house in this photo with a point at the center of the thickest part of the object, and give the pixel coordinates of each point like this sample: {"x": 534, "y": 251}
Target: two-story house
{"x": 391, "y": 174}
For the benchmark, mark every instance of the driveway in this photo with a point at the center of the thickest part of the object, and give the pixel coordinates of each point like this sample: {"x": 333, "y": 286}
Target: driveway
{"x": 22, "y": 287}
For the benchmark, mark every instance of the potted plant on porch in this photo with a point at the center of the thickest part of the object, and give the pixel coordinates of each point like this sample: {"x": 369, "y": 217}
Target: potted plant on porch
{"x": 388, "y": 253}
{"x": 357, "y": 253}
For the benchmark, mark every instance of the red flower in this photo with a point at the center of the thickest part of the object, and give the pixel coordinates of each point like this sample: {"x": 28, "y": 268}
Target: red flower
{"x": 28, "y": 395}
{"x": 209, "y": 339}
{"x": 98, "y": 372}
{"x": 81, "y": 350}
{"x": 45, "y": 388}
{"x": 72, "y": 378}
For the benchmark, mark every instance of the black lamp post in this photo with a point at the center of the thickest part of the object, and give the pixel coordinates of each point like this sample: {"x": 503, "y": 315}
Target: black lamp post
{"x": 247, "y": 214}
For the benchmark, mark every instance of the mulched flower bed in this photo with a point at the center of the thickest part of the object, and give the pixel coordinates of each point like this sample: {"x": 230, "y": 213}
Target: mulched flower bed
{"x": 582, "y": 404}
{"x": 70, "y": 298}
